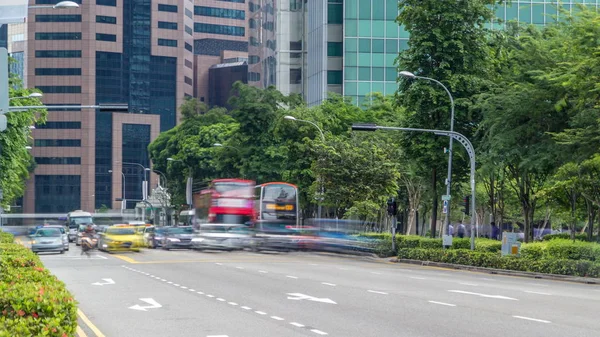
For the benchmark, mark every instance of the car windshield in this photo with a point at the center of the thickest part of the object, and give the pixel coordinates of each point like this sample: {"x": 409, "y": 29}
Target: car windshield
{"x": 120, "y": 231}
{"x": 160, "y": 230}
{"x": 48, "y": 232}
{"x": 79, "y": 220}
{"x": 62, "y": 230}
{"x": 181, "y": 230}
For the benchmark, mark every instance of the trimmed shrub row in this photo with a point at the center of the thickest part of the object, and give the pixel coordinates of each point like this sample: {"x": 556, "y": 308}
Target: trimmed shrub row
{"x": 579, "y": 237}
{"x": 33, "y": 302}
{"x": 384, "y": 246}
{"x": 494, "y": 260}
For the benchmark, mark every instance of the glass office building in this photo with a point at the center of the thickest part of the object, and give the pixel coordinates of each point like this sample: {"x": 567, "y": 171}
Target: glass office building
{"x": 353, "y": 44}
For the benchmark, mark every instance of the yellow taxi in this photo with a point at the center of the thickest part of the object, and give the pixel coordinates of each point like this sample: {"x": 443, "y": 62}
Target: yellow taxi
{"x": 139, "y": 232}
{"x": 119, "y": 238}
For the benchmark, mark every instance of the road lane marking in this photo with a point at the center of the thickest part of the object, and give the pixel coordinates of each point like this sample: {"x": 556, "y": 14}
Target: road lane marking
{"x": 469, "y": 284}
{"x": 277, "y": 318}
{"x": 220, "y": 299}
{"x": 240, "y": 267}
{"x": 183, "y": 287}
{"x": 297, "y": 324}
{"x": 314, "y": 264}
{"x": 377, "y": 292}
{"x": 417, "y": 278}
{"x": 80, "y": 332}
{"x": 211, "y": 296}
{"x": 217, "y": 336}
{"x": 376, "y": 273}
{"x": 290, "y": 276}
{"x": 175, "y": 284}
{"x": 246, "y": 308}
{"x": 232, "y": 303}
{"x": 89, "y": 323}
{"x": 537, "y": 293}
{"x": 170, "y": 282}
{"x": 191, "y": 289}
{"x": 499, "y": 297}
{"x": 219, "y": 264}
{"x": 199, "y": 292}
{"x": 442, "y": 303}
{"x": 328, "y": 284}
{"x": 340, "y": 268}
{"x": 125, "y": 258}
{"x": 487, "y": 279}
{"x": 319, "y": 332}
{"x": 532, "y": 319}
{"x": 263, "y": 271}
{"x": 260, "y": 312}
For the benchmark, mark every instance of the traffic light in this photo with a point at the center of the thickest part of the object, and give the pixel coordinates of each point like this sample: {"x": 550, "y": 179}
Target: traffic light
{"x": 466, "y": 204}
{"x": 392, "y": 206}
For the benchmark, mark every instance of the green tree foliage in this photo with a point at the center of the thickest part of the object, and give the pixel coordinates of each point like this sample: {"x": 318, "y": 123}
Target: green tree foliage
{"x": 15, "y": 160}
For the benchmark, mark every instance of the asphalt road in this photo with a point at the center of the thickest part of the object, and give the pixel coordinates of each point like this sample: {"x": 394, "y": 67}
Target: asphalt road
{"x": 185, "y": 293}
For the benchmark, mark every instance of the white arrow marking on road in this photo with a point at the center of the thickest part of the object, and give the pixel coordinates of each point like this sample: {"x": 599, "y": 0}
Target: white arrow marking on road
{"x": 298, "y": 297}
{"x": 152, "y": 302}
{"x": 108, "y": 281}
{"x": 484, "y": 295}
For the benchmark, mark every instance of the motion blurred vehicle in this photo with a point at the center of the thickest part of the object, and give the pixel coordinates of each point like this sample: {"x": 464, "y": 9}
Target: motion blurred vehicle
{"x": 63, "y": 234}
{"x": 80, "y": 230}
{"x": 186, "y": 218}
{"x": 47, "y": 240}
{"x": 222, "y": 237}
{"x": 225, "y": 201}
{"x": 74, "y": 219}
{"x": 118, "y": 239}
{"x": 154, "y": 236}
{"x": 139, "y": 233}
{"x": 178, "y": 238}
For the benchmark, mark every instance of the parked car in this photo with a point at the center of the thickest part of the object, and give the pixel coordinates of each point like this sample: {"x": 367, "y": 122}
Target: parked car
{"x": 63, "y": 233}
{"x": 47, "y": 240}
{"x": 222, "y": 237}
{"x": 178, "y": 238}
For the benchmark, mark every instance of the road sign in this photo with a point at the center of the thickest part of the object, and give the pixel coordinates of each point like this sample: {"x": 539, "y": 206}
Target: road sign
{"x": 445, "y": 210}
{"x": 152, "y": 302}
{"x": 3, "y": 122}
{"x": 446, "y": 197}
{"x": 107, "y": 280}
{"x": 299, "y": 297}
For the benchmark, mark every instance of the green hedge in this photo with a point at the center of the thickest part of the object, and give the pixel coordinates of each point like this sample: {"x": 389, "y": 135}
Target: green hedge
{"x": 33, "y": 302}
{"x": 494, "y": 260}
{"x": 579, "y": 237}
{"x": 384, "y": 246}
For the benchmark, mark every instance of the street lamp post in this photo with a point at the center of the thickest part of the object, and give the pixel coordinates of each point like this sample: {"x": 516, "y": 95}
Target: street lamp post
{"x": 410, "y": 75}
{"x": 145, "y": 169}
{"x": 322, "y": 188}
{"x": 163, "y": 176}
{"x": 459, "y": 137}
{"x": 123, "y": 196}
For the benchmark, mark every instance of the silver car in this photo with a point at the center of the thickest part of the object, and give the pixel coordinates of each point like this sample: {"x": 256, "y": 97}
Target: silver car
{"x": 222, "y": 237}
{"x": 63, "y": 233}
{"x": 47, "y": 240}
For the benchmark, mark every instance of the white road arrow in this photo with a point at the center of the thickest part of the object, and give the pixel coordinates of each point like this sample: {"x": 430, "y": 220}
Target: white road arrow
{"x": 108, "y": 281}
{"x": 500, "y": 297}
{"x": 299, "y": 297}
{"x": 152, "y": 302}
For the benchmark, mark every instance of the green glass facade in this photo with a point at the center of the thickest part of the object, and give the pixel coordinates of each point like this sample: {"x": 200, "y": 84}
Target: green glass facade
{"x": 372, "y": 38}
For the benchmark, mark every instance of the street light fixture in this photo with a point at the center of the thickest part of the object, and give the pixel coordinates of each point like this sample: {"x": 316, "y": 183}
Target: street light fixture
{"x": 320, "y": 199}
{"x": 409, "y": 75}
{"x": 60, "y": 5}
{"x": 164, "y": 176}
{"x": 123, "y": 174}
{"x": 28, "y": 147}
{"x": 32, "y": 95}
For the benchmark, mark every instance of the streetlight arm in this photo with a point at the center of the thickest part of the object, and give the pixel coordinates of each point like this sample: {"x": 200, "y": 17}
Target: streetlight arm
{"x": 316, "y": 126}
{"x": 449, "y": 95}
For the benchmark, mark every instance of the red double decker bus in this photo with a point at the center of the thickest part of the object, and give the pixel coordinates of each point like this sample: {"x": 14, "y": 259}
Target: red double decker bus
{"x": 226, "y": 201}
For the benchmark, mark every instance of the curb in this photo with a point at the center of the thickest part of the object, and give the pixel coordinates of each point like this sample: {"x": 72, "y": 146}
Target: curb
{"x": 554, "y": 277}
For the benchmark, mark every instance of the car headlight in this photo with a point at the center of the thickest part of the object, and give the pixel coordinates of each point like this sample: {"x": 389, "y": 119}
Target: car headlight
{"x": 173, "y": 239}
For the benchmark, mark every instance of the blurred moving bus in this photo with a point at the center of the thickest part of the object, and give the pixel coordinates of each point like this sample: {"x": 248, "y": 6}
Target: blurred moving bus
{"x": 74, "y": 220}
{"x": 277, "y": 202}
{"x": 226, "y": 201}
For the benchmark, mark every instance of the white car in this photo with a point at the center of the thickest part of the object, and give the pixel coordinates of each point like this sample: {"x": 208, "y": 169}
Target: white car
{"x": 63, "y": 234}
{"x": 222, "y": 237}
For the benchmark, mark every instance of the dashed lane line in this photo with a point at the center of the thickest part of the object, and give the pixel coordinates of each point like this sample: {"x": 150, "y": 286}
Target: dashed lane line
{"x": 328, "y": 284}
{"x": 442, "y": 303}
{"x": 532, "y": 319}
{"x": 319, "y": 332}
{"x": 537, "y": 293}
{"x": 292, "y": 277}
{"x": 377, "y": 292}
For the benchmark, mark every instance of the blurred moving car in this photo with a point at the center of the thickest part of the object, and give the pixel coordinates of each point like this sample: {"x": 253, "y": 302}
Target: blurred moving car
{"x": 139, "y": 233}
{"x": 63, "y": 233}
{"x": 222, "y": 237}
{"x": 47, "y": 240}
{"x": 119, "y": 239}
{"x": 153, "y": 236}
{"x": 178, "y": 238}
{"x": 80, "y": 231}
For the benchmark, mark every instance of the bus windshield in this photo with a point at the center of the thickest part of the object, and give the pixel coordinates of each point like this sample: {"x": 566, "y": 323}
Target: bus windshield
{"x": 75, "y": 222}
{"x": 235, "y": 189}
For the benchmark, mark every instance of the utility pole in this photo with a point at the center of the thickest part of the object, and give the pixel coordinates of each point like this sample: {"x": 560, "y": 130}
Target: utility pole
{"x": 393, "y": 212}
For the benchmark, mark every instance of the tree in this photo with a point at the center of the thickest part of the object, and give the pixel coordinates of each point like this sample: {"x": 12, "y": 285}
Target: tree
{"x": 447, "y": 43}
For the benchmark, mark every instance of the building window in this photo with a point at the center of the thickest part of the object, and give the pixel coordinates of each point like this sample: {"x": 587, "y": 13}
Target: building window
{"x": 189, "y": 13}
{"x": 58, "y": 53}
{"x": 58, "y": 18}
{"x": 335, "y": 13}
{"x": 334, "y": 77}
{"x": 58, "y": 71}
{"x": 167, "y": 25}
{"x": 57, "y": 193}
{"x": 269, "y": 25}
{"x": 189, "y": 30}
{"x": 106, "y": 37}
{"x": 188, "y": 80}
{"x": 60, "y": 89}
{"x": 167, "y": 8}
{"x": 295, "y": 75}
{"x": 219, "y": 29}
{"x": 167, "y": 43}
{"x": 189, "y": 64}
{"x": 58, "y": 36}
{"x": 334, "y": 49}
{"x": 253, "y": 59}
{"x": 57, "y": 142}
{"x": 252, "y": 24}
{"x": 189, "y": 47}
{"x": 112, "y": 3}
{"x": 253, "y": 7}
{"x": 58, "y": 160}
{"x": 220, "y": 12}
{"x": 253, "y": 77}
{"x": 106, "y": 19}
{"x": 59, "y": 125}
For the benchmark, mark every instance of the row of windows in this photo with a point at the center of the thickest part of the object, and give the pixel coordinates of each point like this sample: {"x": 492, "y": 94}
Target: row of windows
{"x": 58, "y": 18}
{"x": 167, "y": 25}
{"x": 235, "y": 1}
{"x": 58, "y": 160}
{"x": 368, "y": 59}
{"x": 167, "y": 42}
{"x": 112, "y": 3}
{"x": 60, "y": 89}
{"x": 59, "y": 125}
{"x": 374, "y": 28}
{"x": 371, "y": 73}
{"x": 58, "y": 53}
{"x": 57, "y": 71}
{"x": 371, "y": 10}
{"x": 365, "y": 88}
{"x": 58, "y": 36}
{"x": 167, "y": 8}
{"x": 106, "y": 19}
{"x": 392, "y": 46}
{"x": 219, "y": 29}
{"x": 106, "y": 37}
{"x": 57, "y": 142}
{"x": 220, "y": 12}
